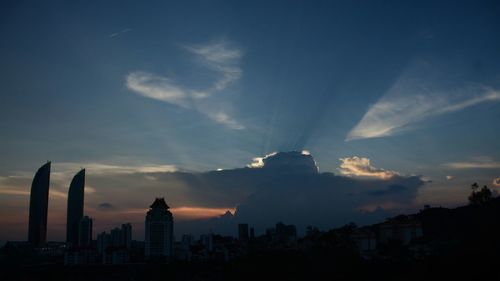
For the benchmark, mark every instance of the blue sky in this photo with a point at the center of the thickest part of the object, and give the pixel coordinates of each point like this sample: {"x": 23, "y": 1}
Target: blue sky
{"x": 199, "y": 85}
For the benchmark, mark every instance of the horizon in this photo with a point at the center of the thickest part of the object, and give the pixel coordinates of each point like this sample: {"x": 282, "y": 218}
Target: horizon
{"x": 324, "y": 113}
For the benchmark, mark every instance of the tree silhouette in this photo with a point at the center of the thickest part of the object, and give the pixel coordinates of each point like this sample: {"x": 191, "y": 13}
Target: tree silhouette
{"x": 479, "y": 197}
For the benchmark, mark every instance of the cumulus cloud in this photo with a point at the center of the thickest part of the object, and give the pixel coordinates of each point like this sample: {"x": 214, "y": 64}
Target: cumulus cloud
{"x": 417, "y": 95}
{"x": 286, "y": 186}
{"x": 219, "y": 57}
{"x": 258, "y": 162}
{"x": 361, "y": 167}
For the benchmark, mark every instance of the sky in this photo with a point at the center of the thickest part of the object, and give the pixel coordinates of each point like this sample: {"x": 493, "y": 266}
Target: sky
{"x": 154, "y": 98}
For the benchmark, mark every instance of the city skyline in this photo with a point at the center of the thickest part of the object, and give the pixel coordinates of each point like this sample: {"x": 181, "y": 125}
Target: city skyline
{"x": 224, "y": 106}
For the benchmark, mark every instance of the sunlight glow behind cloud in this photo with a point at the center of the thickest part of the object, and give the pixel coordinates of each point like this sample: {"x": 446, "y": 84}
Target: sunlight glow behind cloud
{"x": 361, "y": 167}
{"x": 258, "y": 162}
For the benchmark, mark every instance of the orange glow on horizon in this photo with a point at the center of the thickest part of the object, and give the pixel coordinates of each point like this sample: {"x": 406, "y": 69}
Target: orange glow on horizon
{"x": 190, "y": 213}
{"x": 187, "y": 212}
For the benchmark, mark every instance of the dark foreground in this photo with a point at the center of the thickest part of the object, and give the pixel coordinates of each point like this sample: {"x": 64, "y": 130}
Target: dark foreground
{"x": 461, "y": 243}
{"x": 277, "y": 266}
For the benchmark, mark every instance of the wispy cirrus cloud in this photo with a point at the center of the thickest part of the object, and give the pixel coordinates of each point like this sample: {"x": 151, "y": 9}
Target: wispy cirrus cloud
{"x": 119, "y": 33}
{"x": 159, "y": 88}
{"x": 479, "y": 163}
{"x": 218, "y": 57}
{"x": 93, "y": 168}
{"x": 417, "y": 95}
{"x": 221, "y": 58}
{"x": 361, "y": 167}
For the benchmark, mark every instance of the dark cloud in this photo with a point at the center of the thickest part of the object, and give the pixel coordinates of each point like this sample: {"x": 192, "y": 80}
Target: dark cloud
{"x": 105, "y": 206}
{"x": 289, "y": 188}
{"x": 392, "y": 189}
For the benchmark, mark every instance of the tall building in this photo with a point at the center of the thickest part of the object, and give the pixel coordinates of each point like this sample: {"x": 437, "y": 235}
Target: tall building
{"x": 243, "y": 232}
{"x": 85, "y": 232}
{"x": 116, "y": 237}
{"x": 207, "y": 240}
{"x": 103, "y": 242}
{"x": 159, "y": 230}
{"x": 127, "y": 235}
{"x": 75, "y": 207}
{"x": 39, "y": 202}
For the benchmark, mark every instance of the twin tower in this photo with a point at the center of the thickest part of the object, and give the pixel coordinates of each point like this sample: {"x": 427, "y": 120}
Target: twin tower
{"x": 39, "y": 203}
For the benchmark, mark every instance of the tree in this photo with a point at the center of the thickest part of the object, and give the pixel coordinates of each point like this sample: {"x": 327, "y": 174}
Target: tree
{"x": 479, "y": 197}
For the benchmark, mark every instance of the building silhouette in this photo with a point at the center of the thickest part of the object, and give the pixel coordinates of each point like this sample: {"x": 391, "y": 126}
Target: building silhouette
{"x": 75, "y": 207}
{"x": 39, "y": 201}
{"x": 243, "y": 232}
{"x": 85, "y": 232}
{"x": 103, "y": 242}
{"x": 127, "y": 235}
{"x": 159, "y": 231}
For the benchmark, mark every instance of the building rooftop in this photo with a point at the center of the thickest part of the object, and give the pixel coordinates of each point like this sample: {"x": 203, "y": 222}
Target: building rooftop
{"x": 159, "y": 203}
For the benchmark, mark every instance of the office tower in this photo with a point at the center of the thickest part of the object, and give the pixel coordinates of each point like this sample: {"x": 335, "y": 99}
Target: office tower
{"x": 116, "y": 237}
{"x": 103, "y": 242}
{"x": 39, "y": 202}
{"x": 85, "y": 232}
{"x": 285, "y": 233}
{"x": 127, "y": 235}
{"x": 243, "y": 232}
{"x": 159, "y": 230}
{"x": 75, "y": 207}
{"x": 207, "y": 241}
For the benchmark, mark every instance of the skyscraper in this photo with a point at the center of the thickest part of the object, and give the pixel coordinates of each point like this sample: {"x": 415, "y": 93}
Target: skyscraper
{"x": 85, "y": 232}
{"x": 39, "y": 202}
{"x": 159, "y": 230}
{"x": 127, "y": 235}
{"x": 75, "y": 207}
{"x": 243, "y": 232}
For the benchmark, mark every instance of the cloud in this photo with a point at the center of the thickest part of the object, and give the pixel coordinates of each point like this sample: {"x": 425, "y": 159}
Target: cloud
{"x": 258, "y": 162}
{"x": 218, "y": 57}
{"x": 92, "y": 168}
{"x": 417, "y": 95}
{"x": 105, "y": 206}
{"x": 121, "y": 32}
{"x": 480, "y": 163}
{"x": 361, "y": 167}
{"x": 158, "y": 88}
{"x": 224, "y": 119}
{"x": 14, "y": 192}
{"x": 496, "y": 182}
{"x": 286, "y": 186}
